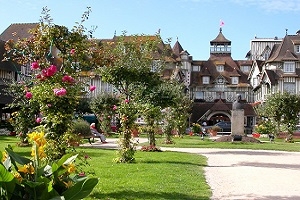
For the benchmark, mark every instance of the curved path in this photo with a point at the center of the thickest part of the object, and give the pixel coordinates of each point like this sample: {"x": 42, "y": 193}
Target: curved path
{"x": 238, "y": 174}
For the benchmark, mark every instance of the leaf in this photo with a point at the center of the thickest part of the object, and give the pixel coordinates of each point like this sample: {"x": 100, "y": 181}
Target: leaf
{"x": 81, "y": 189}
{"x": 5, "y": 175}
{"x": 16, "y": 157}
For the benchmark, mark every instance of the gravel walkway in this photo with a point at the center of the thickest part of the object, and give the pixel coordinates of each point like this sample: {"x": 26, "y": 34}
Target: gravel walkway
{"x": 235, "y": 174}
{"x": 250, "y": 174}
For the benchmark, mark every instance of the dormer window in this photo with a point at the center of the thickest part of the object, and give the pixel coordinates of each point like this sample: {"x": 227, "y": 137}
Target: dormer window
{"x": 205, "y": 79}
{"x": 297, "y": 48}
{"x": 196, "y": 68}
{"x": 234, "y": 80}
{"x": 220, "y": 68}
{"x": 245, "y": 68}
{"x": 289, "y": 67}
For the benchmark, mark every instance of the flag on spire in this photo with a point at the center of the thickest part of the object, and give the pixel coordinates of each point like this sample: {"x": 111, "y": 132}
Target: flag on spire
{"x": 221, "y": 23}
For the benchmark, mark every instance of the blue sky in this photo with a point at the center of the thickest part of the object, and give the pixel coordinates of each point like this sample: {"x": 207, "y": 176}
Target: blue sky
{"x": 194, "y": 22}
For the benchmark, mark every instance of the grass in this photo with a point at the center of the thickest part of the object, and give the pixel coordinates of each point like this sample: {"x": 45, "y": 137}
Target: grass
{"x": 196, "y": 142}
{"x": 156, "y": 175}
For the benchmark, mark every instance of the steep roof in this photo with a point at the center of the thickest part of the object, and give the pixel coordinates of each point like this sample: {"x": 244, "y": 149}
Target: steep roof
{"x": 220, "y": 39}
{"x": 285, "y": 50}
{"x": 208, "y": 68}
{"x": 15, "y": 31}
{"x": 177, "y": 49}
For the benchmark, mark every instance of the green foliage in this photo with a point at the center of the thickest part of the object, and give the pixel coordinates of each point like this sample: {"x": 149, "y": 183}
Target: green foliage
{"x": 57, "y": 56}
{"x": 25, "y": 111}
{"x": 196, "y": 128}
{"x": 23, "y": 178}
{"x": 265, "y": 127}
{"x": 283, "y": 109}
{"x": 81, "y": 127}
{"x": 104, "y": 106}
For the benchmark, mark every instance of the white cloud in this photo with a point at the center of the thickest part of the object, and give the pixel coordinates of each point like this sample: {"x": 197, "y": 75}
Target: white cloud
{"x": 273, "y": 5}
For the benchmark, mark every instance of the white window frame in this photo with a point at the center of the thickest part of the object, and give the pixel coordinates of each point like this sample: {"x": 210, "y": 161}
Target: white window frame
{"x": 297, "y": 48}
{"x": 199, "y": 95}
{"x": 289, "y": 67}
{"x": 205, "y": 79}
{"x": 234, "y": 80}
{"x": 220, "y": 68}
{"x": 245, "y": 68}
{"x": 196, "y": 68}
{"x": 289, "y": 87}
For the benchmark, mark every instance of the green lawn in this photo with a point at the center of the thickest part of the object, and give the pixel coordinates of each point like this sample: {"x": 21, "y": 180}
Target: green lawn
{"x": 155, "y": 175}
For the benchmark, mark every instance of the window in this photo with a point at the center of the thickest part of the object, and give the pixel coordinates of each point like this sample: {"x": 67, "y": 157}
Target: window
{"x": 297, "y": 48}
{"x": 220, "y": 68}
{"x": 196, "y": 68}
{"x": 245, "y": 68}
{"x": 255, "y": 82}
{"x": 289, "y": 87}
{"x": 234, "y": 80}
{"x": 205, "y": 79}
{"x": 199, "y": 95}
{"x": 220, "y": 80}
{"x": 289, "y": 67}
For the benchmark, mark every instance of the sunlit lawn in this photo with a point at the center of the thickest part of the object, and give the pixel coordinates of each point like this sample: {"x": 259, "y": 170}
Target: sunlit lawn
{"x": 156, "y": 175}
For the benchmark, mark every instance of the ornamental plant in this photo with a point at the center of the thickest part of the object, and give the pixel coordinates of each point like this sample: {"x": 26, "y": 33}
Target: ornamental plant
{"x": 56, "y": 56}
{"x": 37, "y": 178}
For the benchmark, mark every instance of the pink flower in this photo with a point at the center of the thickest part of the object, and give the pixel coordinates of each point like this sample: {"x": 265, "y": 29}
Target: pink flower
{"x": 72, "y": 52}
{"x": 68, "y": 79}
{"x": 50, "y": 71}
{"x": 60, "y": 92}
{"x": 49, "y": 105}
{"x": 28, "y": 95}
{"x": 38, "y": 120}
{"x": 92, "y": 88}
{"x": 34, "y": 65}
{"x": 126, "y": 101}
{"x": 115, "y": 107}
{"x": 81, "y": 174}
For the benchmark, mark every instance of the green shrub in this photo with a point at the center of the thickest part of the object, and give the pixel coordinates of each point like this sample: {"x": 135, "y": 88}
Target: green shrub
{"x": 81, "y": 127}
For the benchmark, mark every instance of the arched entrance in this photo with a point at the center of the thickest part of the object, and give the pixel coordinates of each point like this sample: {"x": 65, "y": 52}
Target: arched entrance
{"x": 216, "y": 117}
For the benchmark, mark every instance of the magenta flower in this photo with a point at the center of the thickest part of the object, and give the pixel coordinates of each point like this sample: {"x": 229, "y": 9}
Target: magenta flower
{"x": 72, "y": 52}
{"x": 60, "y": 92}
{"x": 115, "y": 107}
{"x": 126, "y": 101}
{"x": 34, "y": 65}
{"x": 68, "y": 79}
{"x": 50, "y": 71}
{"x": 81, "y": 174}
{"x": 92, "y": 88}
{"x": 38, "y": 120}
{"x": 28, "y": 95}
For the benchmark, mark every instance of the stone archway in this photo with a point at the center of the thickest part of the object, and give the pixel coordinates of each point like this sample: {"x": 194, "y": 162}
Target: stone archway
{"x": 216, "y": 117}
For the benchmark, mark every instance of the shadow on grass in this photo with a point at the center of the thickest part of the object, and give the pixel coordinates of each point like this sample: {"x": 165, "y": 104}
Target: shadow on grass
{"x": 129, "y": 194}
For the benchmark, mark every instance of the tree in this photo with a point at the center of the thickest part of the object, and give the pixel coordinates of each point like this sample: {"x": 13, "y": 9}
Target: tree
{"x": 283, "y": 109}
{"x": 56, "y": 55}
{"x": 104, "y": 106}
{"x": 133, "y": 62}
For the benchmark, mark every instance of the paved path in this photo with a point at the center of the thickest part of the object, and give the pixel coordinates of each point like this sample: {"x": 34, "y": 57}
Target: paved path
{"x": 237, "y": 174}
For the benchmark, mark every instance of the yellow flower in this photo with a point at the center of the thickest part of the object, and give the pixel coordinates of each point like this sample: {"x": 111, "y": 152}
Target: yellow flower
{"x": 37, "y": 137}
{"x": 70, "y": 168}
{"x": 4, "y": 156}
{"x": 68, "y": 184}
{"x": 27, "y": 169}
{"x": 18, "y": 177}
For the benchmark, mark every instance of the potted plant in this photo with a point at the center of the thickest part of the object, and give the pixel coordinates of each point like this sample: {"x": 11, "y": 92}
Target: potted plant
{"x": 214, "y": 130}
